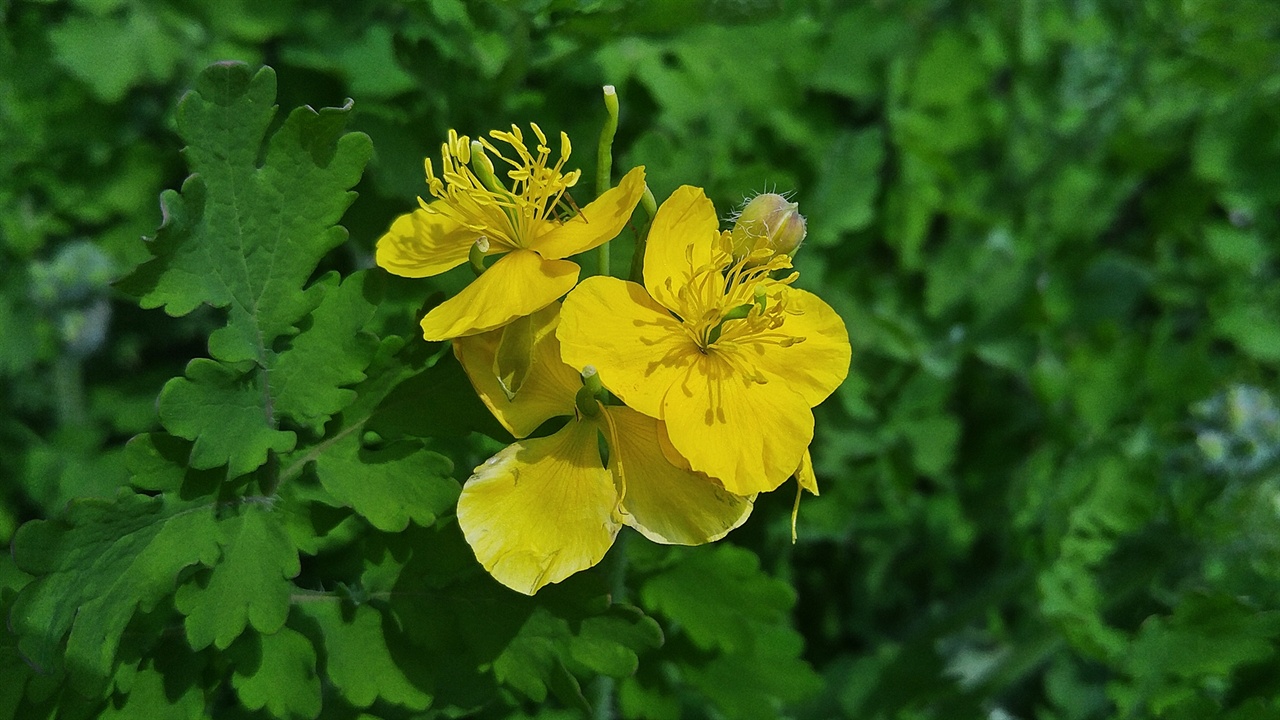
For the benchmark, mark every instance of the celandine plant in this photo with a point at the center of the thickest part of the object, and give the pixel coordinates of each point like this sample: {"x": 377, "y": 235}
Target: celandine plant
{"x": 293, "y": 543}
{"x": 717, "y": 359}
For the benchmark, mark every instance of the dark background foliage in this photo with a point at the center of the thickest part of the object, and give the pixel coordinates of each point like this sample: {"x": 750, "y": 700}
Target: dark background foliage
{"x": 1049, "y": 484}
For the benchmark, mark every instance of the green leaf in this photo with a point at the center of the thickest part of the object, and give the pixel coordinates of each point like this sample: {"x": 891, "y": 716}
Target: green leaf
{"x": 277, "y": 672}
{"x": 1206, "y": 640}
{"x": 389, "y": 486}
{"x": 636, "y": 699}
{"x": 248, "y": 586}
{"x": 548, "y": 651}
{"x": 150, "y": 698}
{"x": 747, "y": 685}
{"x": 156, "y": 461}
{"x": 224, "y": 412}
{"x": 94, "y": 569}
{"x": 853, "y": 68}
{"x": 308, "y": 381}
{"x": 1254, "y": 327}
{"x": 113, "y": 54}
{"x": 246, "y": 235}
{"x": 721, "y": 600}
{"x": 356, "y": 657}
{"x": 719, "y": 596}
{"x": 472, "y": 631}
{"x": 13, "y": 669}
{"x": 367, "y": 62}
{"x": 949, "y": 72}
{"x": 442, "y": 385}
{"x": 844, "y": 199}
{"x": 1206, "y": 635}
{"x": 609, "y": 644}
{"x": 1240, "y": 250}
{"x": 933, "y": 440}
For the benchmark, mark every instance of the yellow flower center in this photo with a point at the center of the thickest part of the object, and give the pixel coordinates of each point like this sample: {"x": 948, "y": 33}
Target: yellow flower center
{"x": 727, "y": 302}
{"x": 508, "y": 216}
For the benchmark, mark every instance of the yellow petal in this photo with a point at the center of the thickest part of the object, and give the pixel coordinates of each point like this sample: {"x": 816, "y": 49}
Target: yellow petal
{"x": 815, "y": 367}
{"x": 666, "y": 504}
{"x": 669, "y": 451}
{"x": 542, "y": 509}
{"x": 682, "y": 238}
{"x": 805, "y": 475}
{"x": 635, "y": 344}
{"x": 750, "y": 436}
{"x": 424, "y": 243}
{"x": 599, "y": 222}
{"x": 547, "y": 391}
{"x": 520, "y": 283}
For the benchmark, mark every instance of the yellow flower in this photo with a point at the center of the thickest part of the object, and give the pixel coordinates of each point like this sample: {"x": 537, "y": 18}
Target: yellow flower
{"x": 474, "y": 209}
{"x": 729, "y": 358}
{"x": 545, "y": 508}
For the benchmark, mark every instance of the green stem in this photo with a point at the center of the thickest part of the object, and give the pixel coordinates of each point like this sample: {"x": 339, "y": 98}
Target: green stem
{"x": 591, "y": 394}
{"x": 650, "y": 206}
{"x": 68, "y": 384}
{"x": 605, "y": 686}
{"x": 604, "y": 162}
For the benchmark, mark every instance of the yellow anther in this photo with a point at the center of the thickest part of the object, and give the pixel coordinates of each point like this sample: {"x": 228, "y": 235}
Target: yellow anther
{"x": 512, "y": 210}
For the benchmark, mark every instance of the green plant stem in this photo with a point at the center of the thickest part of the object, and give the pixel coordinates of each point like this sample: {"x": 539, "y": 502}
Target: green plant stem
{"x": 68, "y": 383}
{"x": 604, "y": 163}
{"x": 650, "y": 206}
{"x": 605, "y": 686}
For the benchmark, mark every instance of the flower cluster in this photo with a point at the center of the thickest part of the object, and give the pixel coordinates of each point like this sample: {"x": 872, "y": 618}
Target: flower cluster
{"x": 715, "y": 361}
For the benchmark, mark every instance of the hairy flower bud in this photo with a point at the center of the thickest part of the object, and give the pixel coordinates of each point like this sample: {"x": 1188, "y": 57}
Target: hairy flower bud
{"x": 768, "y": 222}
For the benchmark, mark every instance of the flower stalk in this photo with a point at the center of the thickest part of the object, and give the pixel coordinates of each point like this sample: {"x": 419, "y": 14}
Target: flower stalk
{"x": 650, "y": 205}
{"x": 604, "y": 162}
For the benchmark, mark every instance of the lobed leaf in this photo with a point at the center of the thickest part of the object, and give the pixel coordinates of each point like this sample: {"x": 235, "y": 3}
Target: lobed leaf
{"x": 247, "y": 231}
{"x": 726, "y": 605}
{"x": 249, "y": 585}
{"x": 280, "y": 676}
{"x": 309, "y": 379}
{"x": 750, "y": 685}
{"x": 96, "y": 567}
{"x": 243, "y": 235}
{"x": 474, "y": 634}
{"x": 391, "y": 485}
{"x": 12, "y": 668}
{"x": 547, "y": 652}
{"x": 226, "y": 413}
{"x": 150, "y": 698}
{"x": 356, "y": 657}
{"x": 156, "y": 461}
{"x": 719, "y": 597}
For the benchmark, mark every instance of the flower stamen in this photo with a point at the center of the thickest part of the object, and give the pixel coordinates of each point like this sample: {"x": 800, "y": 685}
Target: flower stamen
{"x": 734, "y": 300}
{"x": 478, "y": 199}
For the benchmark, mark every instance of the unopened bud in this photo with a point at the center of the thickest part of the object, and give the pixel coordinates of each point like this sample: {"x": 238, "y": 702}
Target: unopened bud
{"x": 768, "y": 223}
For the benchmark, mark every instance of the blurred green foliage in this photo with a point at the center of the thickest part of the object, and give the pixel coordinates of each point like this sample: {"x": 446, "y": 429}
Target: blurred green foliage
{"x": 1050, "y": 484}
